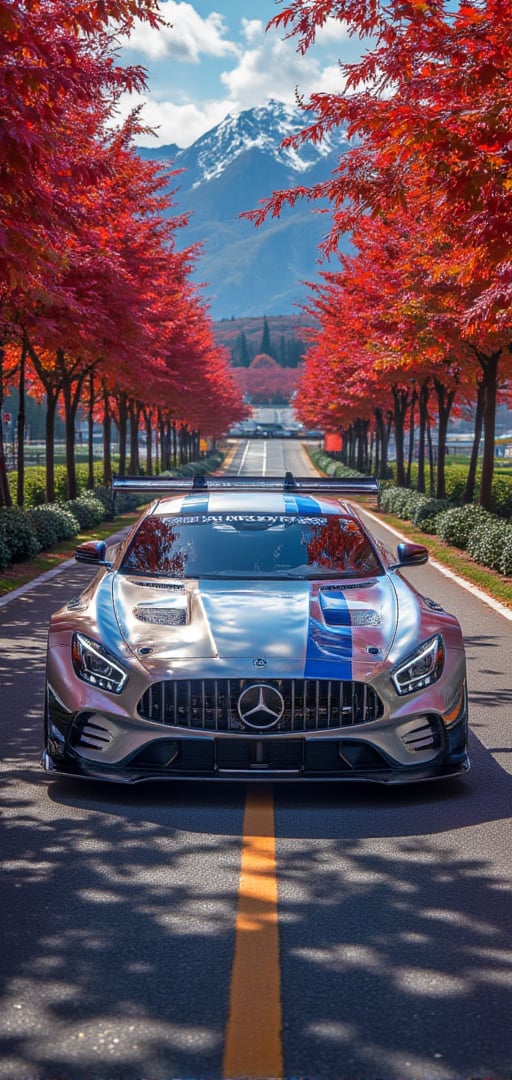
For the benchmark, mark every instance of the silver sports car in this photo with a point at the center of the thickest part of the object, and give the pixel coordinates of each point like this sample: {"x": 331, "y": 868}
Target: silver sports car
{"x": 253, "y": 629}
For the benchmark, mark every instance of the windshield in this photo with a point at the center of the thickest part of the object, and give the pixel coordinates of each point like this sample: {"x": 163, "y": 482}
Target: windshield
{"x": 251, "y": 545}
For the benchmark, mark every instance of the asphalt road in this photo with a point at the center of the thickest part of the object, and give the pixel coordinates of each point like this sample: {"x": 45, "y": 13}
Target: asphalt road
{"x": 119, "y": 907}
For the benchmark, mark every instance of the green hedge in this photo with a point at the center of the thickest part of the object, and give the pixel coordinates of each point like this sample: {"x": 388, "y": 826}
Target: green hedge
{"x": 490, "y": 544}
{"x": 52, "y": 523}
{"x": 35, "y": 482}
{"x": 17, "y": 534}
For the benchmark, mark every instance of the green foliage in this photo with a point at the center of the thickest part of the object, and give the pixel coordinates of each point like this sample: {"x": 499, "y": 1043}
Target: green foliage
{"x": 43, "y": 520}
{"x": 17, "y": 534}
{"x": 104, "y": 496}
{"x": 35, "y": 482}
{"x": 505, "y": 566}
{"x": 413, "y": 506}
{"x": 501, "y": 496}
{"x": 398, "y": 501}
{"x": 427, "y": 511}
{"x": 455, "y": 482}
{"x": 66, "y": 523}
{"x": 88, "y": 510}
{"x": 34, "y": 485}
{"x": 455, "y": 525}
{"x": 330, "y": 466}
{"x": 243, "y": 338}
{"x": 5, "y": 556}
{"x": 486, "y": 544}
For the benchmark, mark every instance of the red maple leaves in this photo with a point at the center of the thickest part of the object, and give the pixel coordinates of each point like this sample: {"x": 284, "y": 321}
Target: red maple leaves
{"x": 425, "y": 190}
{"x": 93, "y": 287}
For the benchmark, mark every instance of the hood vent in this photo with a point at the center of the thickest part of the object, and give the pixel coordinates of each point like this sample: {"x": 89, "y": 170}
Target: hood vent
{"x": 344, "y": 586}
{"x": 161, "y": 616}
{"x": 169, "y": 586}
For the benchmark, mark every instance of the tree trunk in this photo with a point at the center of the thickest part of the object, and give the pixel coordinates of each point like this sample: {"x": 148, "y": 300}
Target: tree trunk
{"x": 107, "y": 439}
{"x": 90, "y": 435}
{"x": 134, "y": 466}
{"x": 51, "y": 408}
{"x": 72, "y": 394}
{"x": 149, "y": 444}
{"x": 414, "y": 399}
{"x": 423, "y": 420}
{"x": 400, "y": 402}
{"x": 444, "y": 404}
{"x": 432, "y": 468}
{"x": 20, "y": 493}
{"x": 490, "y": 368}
{"x": 469, "y": 490}
{"x": 123, "y": 423}
{"x": 5, "y": 493}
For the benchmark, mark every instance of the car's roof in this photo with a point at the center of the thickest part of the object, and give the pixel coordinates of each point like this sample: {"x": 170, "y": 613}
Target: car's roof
{"x": 252, "y": 502}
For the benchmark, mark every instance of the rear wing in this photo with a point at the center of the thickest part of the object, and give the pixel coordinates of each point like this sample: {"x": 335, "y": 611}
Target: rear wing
{"x": 305, "y": 485}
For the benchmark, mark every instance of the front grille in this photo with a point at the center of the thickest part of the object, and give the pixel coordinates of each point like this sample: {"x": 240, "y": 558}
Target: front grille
{"x": 212, "y": 704}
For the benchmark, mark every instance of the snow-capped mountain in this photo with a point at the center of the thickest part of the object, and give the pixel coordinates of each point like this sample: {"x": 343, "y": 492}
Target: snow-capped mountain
{"x": 230, "y": 169}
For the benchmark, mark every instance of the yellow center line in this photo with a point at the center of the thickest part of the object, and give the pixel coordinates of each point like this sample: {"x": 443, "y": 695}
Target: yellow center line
{"x": 253, "y": 1047}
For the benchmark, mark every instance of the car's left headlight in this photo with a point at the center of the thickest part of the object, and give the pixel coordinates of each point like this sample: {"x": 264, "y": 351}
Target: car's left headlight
{"x": 95, "y": 665}
{"x": 421, "y": 668}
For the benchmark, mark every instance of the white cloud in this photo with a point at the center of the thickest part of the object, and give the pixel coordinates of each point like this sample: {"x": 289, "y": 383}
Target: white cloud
{"x": 272, "y": 68}
{"x": 333, "y": 32}
{"x": 175, "y": 123}
{"x": 186, "y": 38}
{"x": 258, "y": 66}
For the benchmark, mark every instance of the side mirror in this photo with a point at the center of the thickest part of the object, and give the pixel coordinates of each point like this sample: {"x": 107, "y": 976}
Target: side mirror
{"x": 409, "y": 555}
{"x": 93, "y": 552}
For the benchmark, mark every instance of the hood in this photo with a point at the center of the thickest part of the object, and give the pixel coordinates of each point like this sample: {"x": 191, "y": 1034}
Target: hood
{"x": 301, "y": 621}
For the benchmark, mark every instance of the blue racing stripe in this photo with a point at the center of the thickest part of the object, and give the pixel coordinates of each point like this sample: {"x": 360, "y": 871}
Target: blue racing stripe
{"x": 306, "y": 504}
{"x": 329, "y": 647}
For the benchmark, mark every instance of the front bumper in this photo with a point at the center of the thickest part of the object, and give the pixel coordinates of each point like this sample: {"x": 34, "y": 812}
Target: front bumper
{"x": 363, "y": 754}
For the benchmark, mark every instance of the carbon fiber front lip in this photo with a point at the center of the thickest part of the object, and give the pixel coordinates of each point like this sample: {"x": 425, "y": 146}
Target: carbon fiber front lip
{"x": 395, "y": 777}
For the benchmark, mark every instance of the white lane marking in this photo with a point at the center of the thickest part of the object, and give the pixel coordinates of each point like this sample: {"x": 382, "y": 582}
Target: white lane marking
{"x": 244, "y": 455}
{"x": 467, "y": 585}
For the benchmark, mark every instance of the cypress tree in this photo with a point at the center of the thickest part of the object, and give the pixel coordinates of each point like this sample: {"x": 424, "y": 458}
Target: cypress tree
{"x": 245, "y": 359}
{"x": 265, "y": 341}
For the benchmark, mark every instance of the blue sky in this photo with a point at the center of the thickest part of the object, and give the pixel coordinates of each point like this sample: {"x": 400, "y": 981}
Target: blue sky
{"x": 217, "y": 58}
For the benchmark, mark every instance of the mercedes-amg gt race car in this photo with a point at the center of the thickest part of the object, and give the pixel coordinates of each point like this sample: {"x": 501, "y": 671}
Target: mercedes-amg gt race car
{"x": 253, "y": 629}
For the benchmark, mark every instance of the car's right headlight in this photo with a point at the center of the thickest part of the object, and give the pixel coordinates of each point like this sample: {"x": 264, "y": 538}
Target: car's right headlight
{"x": 95, "y": 665}
{"x": 421, "y": 668}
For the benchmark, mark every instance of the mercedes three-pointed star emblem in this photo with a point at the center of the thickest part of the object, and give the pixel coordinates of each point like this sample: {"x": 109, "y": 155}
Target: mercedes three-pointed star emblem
{"x": 260, "y": 706}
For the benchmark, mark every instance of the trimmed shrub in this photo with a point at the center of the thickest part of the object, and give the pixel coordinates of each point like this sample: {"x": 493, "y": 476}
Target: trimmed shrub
{"x": 34, "y": 485}
{"x": 501, "y": 496}
{"x": 104, "y": 496}
{"x": 17, "y": 534}
{"x": 87, "y": 509}
{"x": 330, "y": 466}
{"x": 427, "y": 511}
{"x": 505, "y": 566}
{"x": 455, "y": 478}
{"x": 455, "y": 525}
{"x": 394, "y": 500}
{"x": 486, "y": 543}
{"x": 65, "y": 522}
{"x": 45, "y": 524}
{"x": 5, "y": 556}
